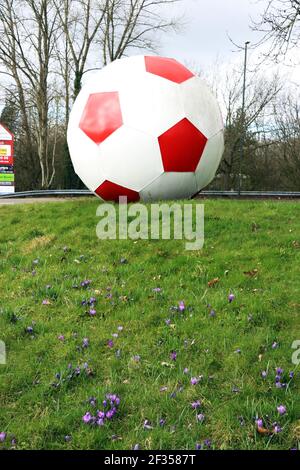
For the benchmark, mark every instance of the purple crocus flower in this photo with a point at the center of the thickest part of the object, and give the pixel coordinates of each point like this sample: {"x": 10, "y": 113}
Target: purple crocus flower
{"x": 110, "y": 343}
{"x": 231, "y": 298}
{"x": 181, "y": 306}
{"x": 196, "y": 404}
{"x": 259, "y": 423}
{"x": 185, "y": 370}
{"x": 279, "y": 371}
{"x": 264, "y": 374}
{"x": 173, "y": 355}
{"x": 201, "y": 417}
{"x": 277, "y": 429}
{"x": 274, "y": 345}
{"x": 136, "y": 358}
{"x": 157, "y": 289}
{"x": 162, "y": 422}
{"x": 194, "y": 381}
{"x": 61, "y": 337}
{"x": 92, "y": 312}
{"x": 147, "y": 425}
{"x": 29, "y": 329}
{"x": 281, "y": 409}
{"x": 87, "y": 418}
{"x": 207, "y": 443}
{"x": 92, "y": 401}
{"x": 168, "y": 322}
{"x": 100, "y": 422}
{"x": 212, "y": 313}
{"x": 46, "y": 302}
{"x": 2, "y": 436}
{"x": 198, "y": 446}
{"x": 101, "y": 414}
{"x": 291, "y": 375}
{"x": 85, "y": 342}
{"x": 109, "y": 414}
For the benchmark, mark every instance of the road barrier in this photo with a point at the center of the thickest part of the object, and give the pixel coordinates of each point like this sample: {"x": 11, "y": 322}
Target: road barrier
{"x": 202, "y": 194}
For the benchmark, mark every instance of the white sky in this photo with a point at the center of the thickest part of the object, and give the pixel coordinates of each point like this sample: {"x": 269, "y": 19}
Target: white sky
{"x": 209, "y": 22}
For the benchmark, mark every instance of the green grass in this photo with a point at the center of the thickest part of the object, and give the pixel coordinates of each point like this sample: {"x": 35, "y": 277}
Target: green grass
{"x": 240, "y": 236}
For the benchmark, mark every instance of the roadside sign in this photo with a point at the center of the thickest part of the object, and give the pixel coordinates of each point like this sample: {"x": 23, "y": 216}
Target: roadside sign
{"x": 7, "y": 177}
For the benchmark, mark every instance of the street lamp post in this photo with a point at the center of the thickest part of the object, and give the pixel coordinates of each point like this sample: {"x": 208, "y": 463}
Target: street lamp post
{"x": 243, "y": 119}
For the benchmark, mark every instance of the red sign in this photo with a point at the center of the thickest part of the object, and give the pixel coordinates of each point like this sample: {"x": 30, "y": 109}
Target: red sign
{"x": 6, "y": 158}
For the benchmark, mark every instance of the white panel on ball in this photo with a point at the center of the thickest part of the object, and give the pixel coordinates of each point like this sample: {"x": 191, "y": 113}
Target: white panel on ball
{"x": 131, "y": 158}
{"x": 210, "y": 160}
{"x": 201, "y": 107}
{"x": 91, "y": 172}
{"x": 170, "y": 186}
{"x": 117, "y": 75}
{"x": 152, "y": 104}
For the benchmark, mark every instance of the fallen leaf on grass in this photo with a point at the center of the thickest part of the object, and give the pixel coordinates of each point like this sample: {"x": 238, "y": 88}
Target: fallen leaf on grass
{"x": 251, "y": 273}
{"x": 264, "y": 431}
{"x": 213, "y": 282}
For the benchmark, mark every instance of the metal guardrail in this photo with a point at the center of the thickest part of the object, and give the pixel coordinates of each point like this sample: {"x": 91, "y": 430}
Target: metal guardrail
{"x": 86, "y": 192}
{"x": 251, "y": 194}
{"x": 47, "y": 193}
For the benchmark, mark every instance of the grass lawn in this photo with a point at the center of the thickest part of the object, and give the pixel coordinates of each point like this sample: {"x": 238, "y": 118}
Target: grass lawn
{"x": 59, "y": 356}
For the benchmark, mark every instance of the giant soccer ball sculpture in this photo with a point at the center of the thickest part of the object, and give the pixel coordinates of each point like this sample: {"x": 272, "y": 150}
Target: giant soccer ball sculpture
{"x": 147, "y": 128}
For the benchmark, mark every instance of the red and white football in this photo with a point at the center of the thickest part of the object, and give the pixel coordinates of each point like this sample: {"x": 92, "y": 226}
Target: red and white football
{"x": 147, "y": 128}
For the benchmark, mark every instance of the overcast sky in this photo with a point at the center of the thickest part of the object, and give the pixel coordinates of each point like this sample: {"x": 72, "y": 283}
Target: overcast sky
{"x": 205, "y": 42}
{"x": 209, "y": 22}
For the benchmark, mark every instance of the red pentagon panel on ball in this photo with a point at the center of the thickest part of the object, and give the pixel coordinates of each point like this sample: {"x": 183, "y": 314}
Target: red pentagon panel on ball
{"x": 101, "y": 116}
{"x": 167, "y": 68}
{"x": 111, "y": 192}
{"x": 182, "y": 147}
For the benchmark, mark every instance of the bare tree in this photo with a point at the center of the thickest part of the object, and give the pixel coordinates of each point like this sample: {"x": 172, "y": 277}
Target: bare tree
{"x": 280, "y": 25}
{"x": 260, "y": 95}
{"x": 134, "y": 24}
{"x": 287, "y": 136}
{"x": 80, "y": 21}
{"x": 28, "y": 31}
